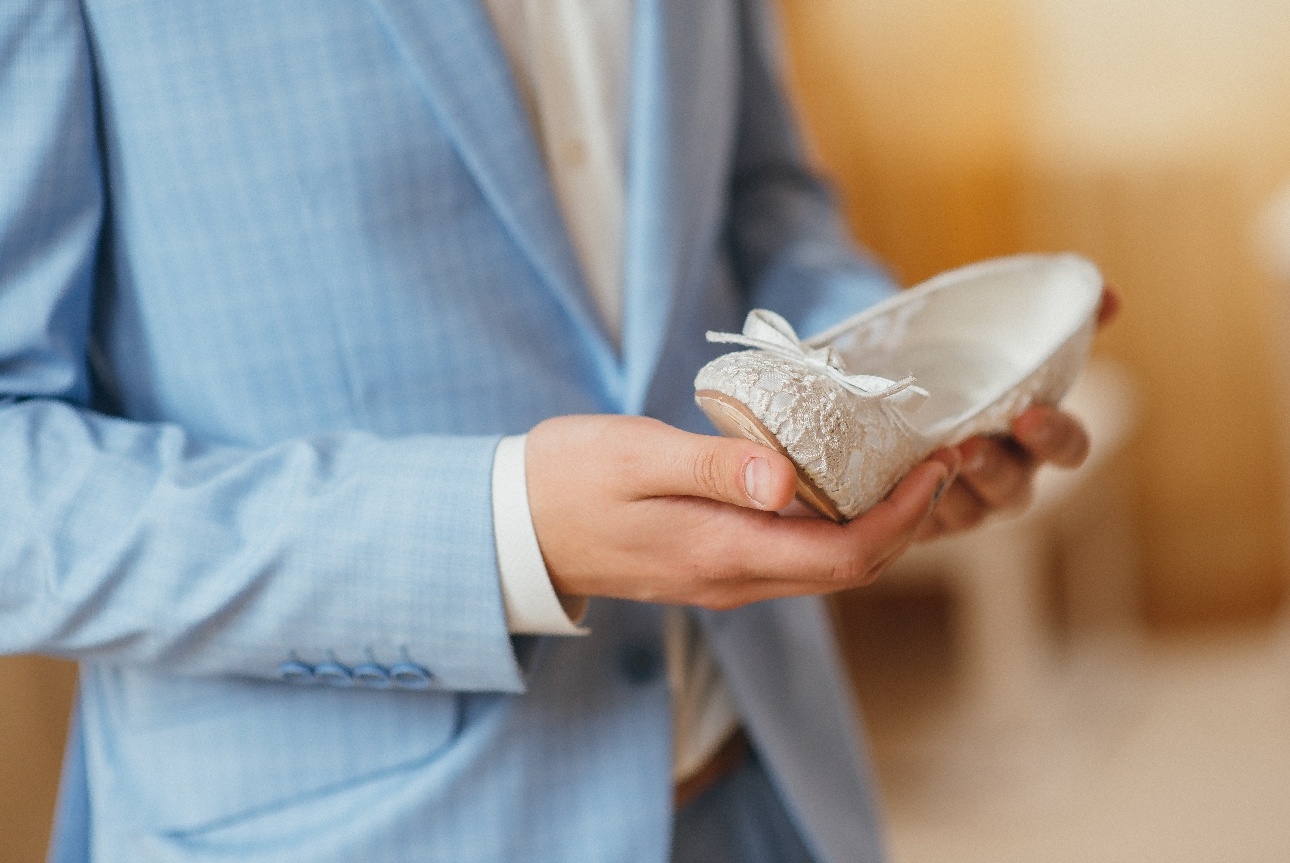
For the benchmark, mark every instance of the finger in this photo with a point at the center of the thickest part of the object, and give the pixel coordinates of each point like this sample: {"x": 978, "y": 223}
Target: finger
{"x": 671, "y": 462}
{"x": 958, "y": 510}
{"x": 1109, "y": 307}
{"x": 896, "y": 519}
{"x": 735, "y": 593}
{"x": 876, "y": 571}
{"x": 997, "y": 471}
{"x": 872, "y": 568}
{"x": 1053, "y": 436}
{"x": 838, "y": 556}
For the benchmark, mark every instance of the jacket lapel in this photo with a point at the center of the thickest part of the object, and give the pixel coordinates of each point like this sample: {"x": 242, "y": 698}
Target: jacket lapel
{"x": 458, "y": 63}
{"x": 684, "y": 94}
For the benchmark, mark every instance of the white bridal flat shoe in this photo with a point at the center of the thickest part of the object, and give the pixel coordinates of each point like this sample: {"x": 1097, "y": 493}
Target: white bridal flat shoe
{"x": 859, "y": 405}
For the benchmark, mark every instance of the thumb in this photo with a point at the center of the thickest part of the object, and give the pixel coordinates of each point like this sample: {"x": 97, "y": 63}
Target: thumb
{"x": 730, "y": 470}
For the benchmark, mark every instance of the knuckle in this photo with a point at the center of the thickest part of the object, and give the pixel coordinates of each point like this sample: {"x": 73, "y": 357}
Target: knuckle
{"x": 850, "y": 570}
{"x": 707, "y": 472}
{"x": 875, "y": 573}
{"x": 629, "y": 457}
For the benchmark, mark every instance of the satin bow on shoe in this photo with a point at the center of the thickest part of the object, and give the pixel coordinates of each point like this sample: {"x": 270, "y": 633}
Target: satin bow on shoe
{"x": 767, "y": 331}
{"x": 988, "y": 340}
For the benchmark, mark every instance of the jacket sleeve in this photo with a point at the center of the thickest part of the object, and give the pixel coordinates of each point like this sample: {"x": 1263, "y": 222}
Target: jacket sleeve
{"x": 790, "y": 249}
{"x": 135, "y": 543}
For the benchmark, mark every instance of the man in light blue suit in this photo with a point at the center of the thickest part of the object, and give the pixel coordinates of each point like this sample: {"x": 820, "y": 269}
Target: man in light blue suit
{"x": 275, "y": 278}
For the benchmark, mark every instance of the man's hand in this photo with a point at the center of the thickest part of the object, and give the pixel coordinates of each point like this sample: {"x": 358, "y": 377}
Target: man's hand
{"x": 632, "y": 508}
{"x": 998, "y": 472}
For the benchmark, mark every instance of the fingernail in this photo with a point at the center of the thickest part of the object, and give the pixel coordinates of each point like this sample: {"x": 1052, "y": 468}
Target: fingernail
{"x": 757, "y": 481}
{"x": 940, "y": 490}
{"x": 951, "y": 458}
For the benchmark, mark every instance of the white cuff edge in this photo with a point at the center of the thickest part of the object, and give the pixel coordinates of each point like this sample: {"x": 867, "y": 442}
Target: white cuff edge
{"x": 532, "y": 605}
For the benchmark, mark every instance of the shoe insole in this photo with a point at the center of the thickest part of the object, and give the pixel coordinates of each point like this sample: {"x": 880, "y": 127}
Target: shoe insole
{"x": 959, "y": 376}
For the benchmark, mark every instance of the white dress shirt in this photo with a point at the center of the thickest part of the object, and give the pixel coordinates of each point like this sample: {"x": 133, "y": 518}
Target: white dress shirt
{"x": 572, "y": 70}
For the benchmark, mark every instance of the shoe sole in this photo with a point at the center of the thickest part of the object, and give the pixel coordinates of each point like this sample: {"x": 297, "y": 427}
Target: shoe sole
{"x": 733, "y": 419}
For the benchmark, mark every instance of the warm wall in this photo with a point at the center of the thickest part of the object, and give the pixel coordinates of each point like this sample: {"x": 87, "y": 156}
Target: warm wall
{"x": 1158, "y": 130}
{"x": 35, "y": 697}
{"x": 912, "y": 107}
{"x": 1143, "y": 133}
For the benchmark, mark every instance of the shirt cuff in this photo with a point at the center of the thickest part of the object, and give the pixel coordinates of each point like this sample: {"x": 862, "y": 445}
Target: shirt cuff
{"x": 532, "y": 605}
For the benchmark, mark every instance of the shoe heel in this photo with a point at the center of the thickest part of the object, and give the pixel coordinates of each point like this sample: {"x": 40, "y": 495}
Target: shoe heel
{"x": 733, "y": 419}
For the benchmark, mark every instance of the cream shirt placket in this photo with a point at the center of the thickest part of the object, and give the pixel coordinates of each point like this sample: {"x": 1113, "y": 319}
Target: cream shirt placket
{"x": 570, "y": 60}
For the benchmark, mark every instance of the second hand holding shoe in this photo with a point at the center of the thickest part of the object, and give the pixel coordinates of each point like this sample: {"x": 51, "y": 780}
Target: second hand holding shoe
{"x": 856, "y": 407}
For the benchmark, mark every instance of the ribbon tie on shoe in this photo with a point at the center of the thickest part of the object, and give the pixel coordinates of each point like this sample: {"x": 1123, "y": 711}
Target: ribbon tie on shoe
{"x": 769, "y": 332}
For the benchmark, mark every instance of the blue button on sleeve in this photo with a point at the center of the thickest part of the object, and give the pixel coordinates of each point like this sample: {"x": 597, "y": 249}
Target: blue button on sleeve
{"x": 333, "y": 674}
{"x": 295, "y": 672}
{"x": 372, "y": 676}
{"x": 409, "y": 675}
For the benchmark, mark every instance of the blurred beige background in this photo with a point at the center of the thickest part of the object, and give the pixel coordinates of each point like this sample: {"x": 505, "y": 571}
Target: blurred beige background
{"x": 1010, "y": 723}
{"x": 1147, "y": 134}
{"x": 1143, "y": 133}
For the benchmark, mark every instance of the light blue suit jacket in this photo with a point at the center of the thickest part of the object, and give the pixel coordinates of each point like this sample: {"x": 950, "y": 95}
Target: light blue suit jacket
{"x": 274, "y": 278}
